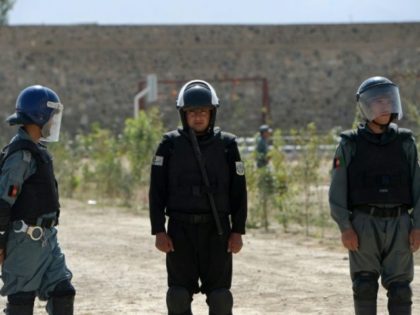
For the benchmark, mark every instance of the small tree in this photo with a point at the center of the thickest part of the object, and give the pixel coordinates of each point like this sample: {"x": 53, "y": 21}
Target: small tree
{"x": 66, "y": 165}
{"x": 139, "y": 140}
{"x": 252, "y": 190}
{"x": 5, "y": 7}
{"x": 306, "y": 171}
{"x": 280, "y": 178}
{"x": 104, "y": 170}
{"x": 413, "y": 115}
{"x": 269, "y": 184}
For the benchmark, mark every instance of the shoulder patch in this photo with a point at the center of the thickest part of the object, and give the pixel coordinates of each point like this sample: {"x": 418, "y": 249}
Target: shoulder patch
{"x": 338, "y": 162}
{"x": 13, "y": 191}
{"x": 27, "y": 156}
{"x": 240, "y": 168}
{"x": 157, "y": 160}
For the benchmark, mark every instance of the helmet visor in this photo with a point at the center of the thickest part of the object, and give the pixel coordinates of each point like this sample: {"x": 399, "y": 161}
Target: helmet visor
{"x": 51, "y": 129}
{"x": 380, "y": 100}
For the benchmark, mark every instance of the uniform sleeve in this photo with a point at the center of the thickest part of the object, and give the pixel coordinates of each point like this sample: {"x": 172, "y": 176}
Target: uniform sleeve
{"x": 16, "y": 169}
{"x": 261, "y": 147}
{"x": 158, "y": 187}
{"x": 340, "y": 211}
{"x": 238, "y": 193}
{"x": 412, "y": 156}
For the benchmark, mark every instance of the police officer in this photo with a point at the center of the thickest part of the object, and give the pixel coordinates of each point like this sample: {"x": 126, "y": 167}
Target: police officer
{"x": 195, "y": 250}
{"x": 374, "y": 198}
{"x": 262, "y": 145}
{"x": 32, "y": 261}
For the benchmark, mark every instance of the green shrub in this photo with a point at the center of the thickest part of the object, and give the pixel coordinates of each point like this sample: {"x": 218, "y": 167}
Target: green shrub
{"x": 139, "y": 141}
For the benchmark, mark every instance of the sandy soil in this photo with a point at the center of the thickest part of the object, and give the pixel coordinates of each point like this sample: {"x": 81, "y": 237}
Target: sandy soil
{"x": 117, "y": 270}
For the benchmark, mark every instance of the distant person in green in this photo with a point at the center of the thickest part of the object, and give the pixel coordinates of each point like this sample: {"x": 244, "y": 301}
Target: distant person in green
{"x": 263, "y": 146}
{"x": 375, "y": 199}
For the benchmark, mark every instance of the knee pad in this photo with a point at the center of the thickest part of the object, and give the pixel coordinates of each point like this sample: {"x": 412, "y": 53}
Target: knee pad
{"x": 220, "y": 302}
{"x": 365, "y": 286}
{"x": 400, "y": 293}
{"x": 22, "y": 298}
{"x": 178, "y": 300}
{"x": 63, "y": 288}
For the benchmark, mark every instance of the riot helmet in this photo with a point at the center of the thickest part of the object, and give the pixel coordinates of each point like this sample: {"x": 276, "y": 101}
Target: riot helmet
{"x": 197, "y": 94}
{"x": 378, "y": 96}
{"x": 41, "y": 106}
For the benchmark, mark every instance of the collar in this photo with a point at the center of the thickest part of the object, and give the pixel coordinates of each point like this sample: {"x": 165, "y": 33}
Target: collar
{"x": 23, "y": 135}
{"x": 387, "y": 136}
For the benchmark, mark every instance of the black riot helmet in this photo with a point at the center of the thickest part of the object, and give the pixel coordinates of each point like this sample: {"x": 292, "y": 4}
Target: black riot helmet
{"x": 196, "y": 94}
{"x": 377, "y": 96}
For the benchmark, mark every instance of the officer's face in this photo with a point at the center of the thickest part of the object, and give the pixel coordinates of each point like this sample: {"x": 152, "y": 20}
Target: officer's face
{"x": 266, "y": 134}
{"x": 381, "y": 109}
{"x": 198, "y": 119}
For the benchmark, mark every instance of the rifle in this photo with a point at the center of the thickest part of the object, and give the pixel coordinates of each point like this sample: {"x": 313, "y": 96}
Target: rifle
{"x": 206, "y": 181}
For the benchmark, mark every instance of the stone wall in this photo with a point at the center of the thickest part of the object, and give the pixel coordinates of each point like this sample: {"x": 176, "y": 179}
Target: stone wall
{"x": 312, "y": 71}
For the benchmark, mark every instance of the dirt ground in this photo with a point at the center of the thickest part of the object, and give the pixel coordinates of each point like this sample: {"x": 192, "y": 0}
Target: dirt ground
{"x": 117, "y": 270}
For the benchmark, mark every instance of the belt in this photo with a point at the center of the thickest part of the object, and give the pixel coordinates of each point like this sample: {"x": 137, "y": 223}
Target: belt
{"x": 42, "y": 222}
{"x": 382, "y": 212}
{"x": 192, "y": 218}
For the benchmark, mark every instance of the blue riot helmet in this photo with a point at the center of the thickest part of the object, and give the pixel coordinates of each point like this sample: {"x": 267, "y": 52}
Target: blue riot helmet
{"x": 377, "y": 96}
{"x": 196, "y": 94}
{"x": 41, "y": 106}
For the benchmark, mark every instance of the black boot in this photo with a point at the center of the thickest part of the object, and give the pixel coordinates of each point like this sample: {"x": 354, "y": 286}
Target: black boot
{"x": 13, "y": 309}
{"x": 365, "y": 307}
{"x": 188, "y": 312}
{"x": 399, "y": 309}
{"x": 20, "y": 303}
{"x": 62, "y": 305}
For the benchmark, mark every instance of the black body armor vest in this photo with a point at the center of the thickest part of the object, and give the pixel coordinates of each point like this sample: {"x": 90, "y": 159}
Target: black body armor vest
{"x": 186, "y": 189}
{"x": 39, "y": 192}
{"x": 379, "y": 173}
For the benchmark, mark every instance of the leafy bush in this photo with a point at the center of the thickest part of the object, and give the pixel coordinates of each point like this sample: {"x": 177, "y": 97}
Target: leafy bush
{"x": 139, "y": 142}
{"x": 66, "y": 165}
{"x": 102, "y": 165}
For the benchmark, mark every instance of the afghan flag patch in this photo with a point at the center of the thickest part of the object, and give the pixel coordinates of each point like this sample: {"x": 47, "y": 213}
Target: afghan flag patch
{"x": 13, "y": 191}
{"x": 338, "y": 162}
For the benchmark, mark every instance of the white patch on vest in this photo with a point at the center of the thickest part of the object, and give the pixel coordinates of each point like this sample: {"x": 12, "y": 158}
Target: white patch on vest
{"x": 240, "y": 169}
{"x": 157, "y": 160}
{"x": 27, "y": 156}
